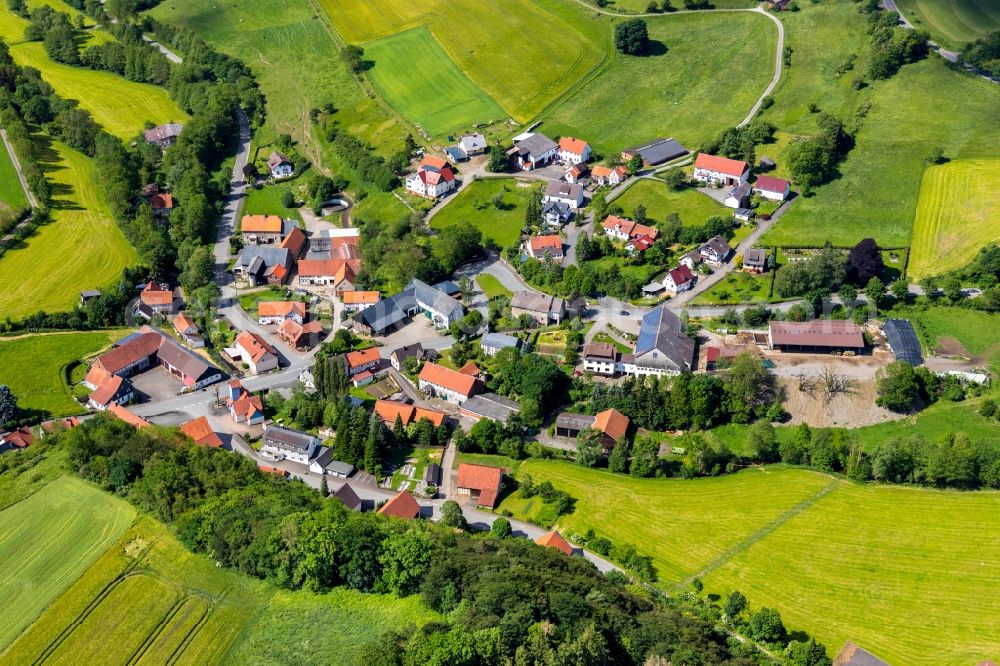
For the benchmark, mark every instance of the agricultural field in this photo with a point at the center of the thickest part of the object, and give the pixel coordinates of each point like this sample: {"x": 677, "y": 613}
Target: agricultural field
{"x": 35, "y": 367}
{"x": 691, "y": 206}
{"x": 666, "y": 94}
{"x": 491, "y": 286}
{"x": 80, "y": 248}
{"x": 506, "y": 49}
{"x": 304, "y": 628}
{"x": 886, "y": 567}
{"x": 12, "y": 199}
{"x": 639, "y": 6}
{"x": 958, "y": 213}
{"x": 879, "y": 187}
{"x": 474, "y": 205}
{"x": 118, "y": 105}
{"x": 952, "y": 22}
{"x": 413, "y": 73}
{"x": 47, "y": 541}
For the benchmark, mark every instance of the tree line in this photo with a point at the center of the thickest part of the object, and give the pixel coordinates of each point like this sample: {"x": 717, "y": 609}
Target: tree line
{"x": 221, "y": 505}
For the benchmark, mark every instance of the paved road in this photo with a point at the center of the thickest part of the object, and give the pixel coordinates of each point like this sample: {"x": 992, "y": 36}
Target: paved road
{"x": 171, "y": 56}
{"x": 497, "y": 268}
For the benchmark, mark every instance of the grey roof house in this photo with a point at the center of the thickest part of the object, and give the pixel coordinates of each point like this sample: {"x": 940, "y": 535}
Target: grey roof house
{"x": 293, "y": 445}
{"x": 755, "y": 260}
{"x": 492, "y": 343}
{"x": 662, "y": 347}
{"x": 418, "y": 296}
{"x": 543, "y": 308}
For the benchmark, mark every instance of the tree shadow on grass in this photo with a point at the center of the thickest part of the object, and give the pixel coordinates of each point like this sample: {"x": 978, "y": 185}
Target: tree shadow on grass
{"x": 654, "y": 47}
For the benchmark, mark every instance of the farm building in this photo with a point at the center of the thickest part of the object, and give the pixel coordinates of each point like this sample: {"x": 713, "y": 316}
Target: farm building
{"x": 156, "y": 299}
{"x": 662, "y": 348}
{"x": 163, "y": 136}
{"x": 769, "y": 187}
{"x": 602, "y": 358}
{"x": 739, "y": 196}
{"x": 490, "y": 406}
{"x": 402, "y": 506}
{"x": 259, "y": 265}
{"x": 819, "y": 335}
{"x": 655, "y": 152}
{"x": 612, "y": 424}
{"x": 532, "y": 151}
{"x": 450, "y": 385}
{"x": 720, "y": 170}
{"x": 543, "y": 308}
{"x": 481, "y": 483}
{"x": 903, "y": 341}
{"x": 264, "y": 229}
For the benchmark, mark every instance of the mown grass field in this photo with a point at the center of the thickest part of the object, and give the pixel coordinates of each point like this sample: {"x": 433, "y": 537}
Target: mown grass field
{"x": 522, "y": 54}
{"x": 973, "y": 330}
{"x": 267, "y": 201}
{"x": 958, "y": 212}
{"x": 12, "y": 199}
{"x": 118, "y": 105}
{"x": 691, "y": 206}
{"x": 705, "y": 73}
{"x": 80, "y": 248}
{"x": 304, "y": 628}
{"x": 413, "y": 73}
{"x": 491, "y": 286}
{"x": 952, "y": 22}
{"x": 34, "y": 366}
{"x": 923, "y": 107}
{"x": 737, "y": 287}
{"x": 47, "y": 541}
{"x": 892, "y": 568}
{"x": 474, "y": 205}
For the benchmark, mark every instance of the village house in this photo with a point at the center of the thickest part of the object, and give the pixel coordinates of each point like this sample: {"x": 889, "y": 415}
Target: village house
{"x": 324, "y": 464}
{"x": 819, "y": 335}
{"x": 277, "y": 312}
{"x": 639, "y": 244}
{"x": 542, "y": 247}
{"x": 59, "y": 425}
{"x": 472, "y": 144}
{"x": 113, "y": 390}
{"x": 440, "y": 382}
{"x": 738, "y": 197}
{"x": 402, "y": 506}
{"x": 692, "y": 259}
{"x": 602, "y": 358}
{"x": 602, "y": 175}
{"x": 355, "y": 301}
{"x": 264, "y": 229}
{"x": 129, "y": 417}
{"x": 720, "y": 170}
{"x": 612, "y": 424}
{"x": 390, "y": 410}
{"x": 346, "y": 496}
{"x": 264, "y": 265}
{"x": 555, "y": 540}
{"x": 532, "y": 151}
{"x": 187, "y": 331}
{"x": 200, "y": 430}
{"x": 556, "y": 214}
{"x": 573, "y": 151}
{"x": 286, "y": 444}
{"x": 389, "y": 313}
{"x": 623, "y": 229}
{"x": 565, "y": 193}
{"x": 480, "y": 483}
{"x": 155, "y": 299}
{"x": 715, "y": 251}
{"x": 359, "y": 361}
{"x": 300, "y": 336}
{"x": 769, "y": 187}
{"x": 19, "y": 438}
{"x": 655, "y": 152}
{"x": 256, "y": 352}
{"x": 575, "y": 173}
{"x": 398, "y": 357}
{"x": 678, "y": 279}
{"x": 244, "y": 407}
{"x": 295, "y": 241}
{"x": 162, "y": 204}
{"x": 279, "y": 165}
{"x": 337, "y": 273}
{"x": 543, "y": 308}
{"x": 491, "y": 343}
{"x": 87, "y": 295}
{"x": 755, "y": 260}
{"x": 662, "y": 348}
{"x": 489, "y": 406}
{"x": 162, "y": 136}
{"x": 432, "y": 179}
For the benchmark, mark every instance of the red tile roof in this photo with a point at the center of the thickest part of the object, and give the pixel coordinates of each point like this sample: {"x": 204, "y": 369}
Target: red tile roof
{"x": 470, "y": 369}
{"x": 612, "y": 423}
{"x": 627, "y": 226}
{"x": 201, "y": 432}
{"x": 485, "y": 479}
{"x": 681, "y": 275}
{"x": 359, "y": 297}
{"x": 723, "y": 165}
{"x": 20, "y": 438}
{"x": 107, "y": 390}
{"x": 599, "y": 171}
{"x": 449, "y": 379}
{"x": 817, "y": 333}
{"x": 142, "y": 346}
{"x": 162, "y": 201}
{"x": 401, "y": 506}
{"x": 542, "y": 243}
{"x": 434, "y": 162}
{"x": 555, "y": 540}
{"x": 154, "y": 294}
{"x": 61, "y": 424}
{"x": 572, "y": 145}
{"x": 182, "y": 324}
{"x": 254, "y": 345}
{"x": 128, "y": 416}
{"x": 262, "y": 224}
{"x": 771, "y": 184}
{"x": 281, "y": 308}
{"x": 294, "y": 241}
{"x": 358, "y": 359}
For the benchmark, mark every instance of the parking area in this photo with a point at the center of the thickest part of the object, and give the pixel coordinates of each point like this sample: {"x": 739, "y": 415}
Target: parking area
{"x": 157, "y": 384}
{"x": 421, "y": 330}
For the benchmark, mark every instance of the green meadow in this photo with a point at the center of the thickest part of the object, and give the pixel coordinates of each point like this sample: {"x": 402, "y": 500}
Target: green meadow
{"x": 952, "y": 22}
{"x": 474, "y": 205}
{"x": 691, "y": 206}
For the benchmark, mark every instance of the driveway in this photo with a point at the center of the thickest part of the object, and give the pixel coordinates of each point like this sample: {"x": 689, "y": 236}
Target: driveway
{"x": 421, "y": 330}
{"x": 499, "y": 269}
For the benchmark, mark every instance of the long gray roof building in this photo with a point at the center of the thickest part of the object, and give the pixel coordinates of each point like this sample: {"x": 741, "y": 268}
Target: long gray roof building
{"x": 662, "y": 342}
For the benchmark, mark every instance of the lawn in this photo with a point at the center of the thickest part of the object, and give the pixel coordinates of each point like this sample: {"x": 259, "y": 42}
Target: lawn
{"x": 12, "y": 199}
{"x": 415, "y": 75}
{"x": 878, "y": 191}
{"x": 80, "y": 248}
{"x": 34, "y": 366}
{"x": 491, "y": 286}
{"x": 973, "y": 330}
{"x": 47, "y": 541}
{"x": 737, "y": 287}
{"x": 304, "y": 628}
{"x": 952, "y": 22}
{"x": 702, "y": 61}
{"x": 118, "y": 105}
{"x": 603, "y": 337}
{"x": 266, "y": 200}
{"x": 891, "y": 568}
{"x": 507, "y": 50}
{"x": 249, "y": 300}
{"x": 958, "y": 212}
{"x": 692, "y": 206}
{"x": 474, "y": 205}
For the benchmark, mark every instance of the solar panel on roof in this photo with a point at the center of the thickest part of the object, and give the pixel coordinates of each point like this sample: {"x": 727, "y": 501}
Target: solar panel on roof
{"x": 903, "y": 341}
